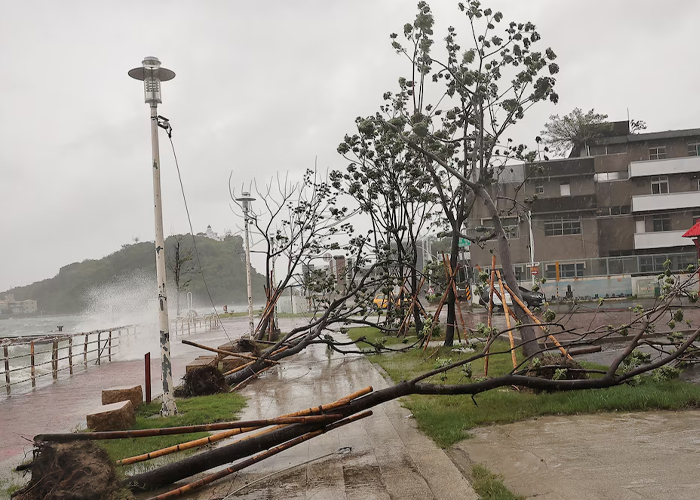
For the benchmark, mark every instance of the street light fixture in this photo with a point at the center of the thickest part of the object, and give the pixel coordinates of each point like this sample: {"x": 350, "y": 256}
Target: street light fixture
{"x": 152, "y": 74}
{"x": 245, "y": 200}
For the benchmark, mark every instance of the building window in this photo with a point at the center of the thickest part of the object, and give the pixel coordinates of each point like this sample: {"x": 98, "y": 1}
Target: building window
{"x": 539, "y": 189}
{"x": 694, "y": 149}
{"x": 562, "y": 226}
{"x": 611, "y": 176}
{"x": 569, "y": 270}
{"x": 662, "y": 223}
{"x": 658, "y": 153}
{"x": 619, "y": 210}
{"x": 659, "y": 185}
{"x": 565, "y": 189}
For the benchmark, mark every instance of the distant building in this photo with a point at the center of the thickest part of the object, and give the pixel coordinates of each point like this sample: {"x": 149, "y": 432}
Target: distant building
{"x": 11, "y": 306}
{"x": 617, "y": 206}
{"x": 212, "y": 235}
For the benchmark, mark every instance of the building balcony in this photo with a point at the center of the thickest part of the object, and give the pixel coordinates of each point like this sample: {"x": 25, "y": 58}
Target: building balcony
{"x": 660, "y": 239}
{"x": 667, "y": 201}
{"x": 669, "y": 166}
{"x": 567, "y": 204}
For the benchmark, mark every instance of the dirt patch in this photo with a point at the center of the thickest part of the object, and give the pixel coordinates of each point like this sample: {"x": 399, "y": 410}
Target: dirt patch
{"x": 202, "y": 382}
{"x": 71, "y": 471}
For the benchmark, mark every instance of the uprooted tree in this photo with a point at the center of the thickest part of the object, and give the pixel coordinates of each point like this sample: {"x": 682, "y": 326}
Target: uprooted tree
{"x": 458, "y": 140}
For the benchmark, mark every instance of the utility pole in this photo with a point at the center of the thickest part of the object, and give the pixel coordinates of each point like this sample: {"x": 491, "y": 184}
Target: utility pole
{"x": 532, "y": 246}
{"x": 245, "y": 201}
{"x": 152, "y": 74}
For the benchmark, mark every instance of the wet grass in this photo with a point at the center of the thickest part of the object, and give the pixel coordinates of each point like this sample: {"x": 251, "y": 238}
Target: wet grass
{"x": 490, "y": 486}
{"x": 447, "y": 419}
{"x": 191, "y": 411}
{"x": 375, "y": 335}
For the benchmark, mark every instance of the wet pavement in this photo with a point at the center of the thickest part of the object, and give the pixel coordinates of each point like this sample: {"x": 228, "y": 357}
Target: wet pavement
{"x": 627, "y": 456}
{"x": 390, "y": 458}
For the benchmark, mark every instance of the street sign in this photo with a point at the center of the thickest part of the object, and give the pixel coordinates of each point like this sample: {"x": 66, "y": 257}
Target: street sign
{"x": 463, "y": 242}
{"x": 535, "y": 271}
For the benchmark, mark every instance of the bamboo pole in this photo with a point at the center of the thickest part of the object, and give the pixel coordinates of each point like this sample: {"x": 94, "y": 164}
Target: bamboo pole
{"x": 228, "y": 353}
{"x": 188, "y": 429}
{"x": 507, "y": 312}
{"x": 226, "y": 434}
{"x": 490, "y": 316}
{"x": 259, "y": 457}
{"x": 534, "y": 318}
{"x": 31, "y": 355}
{"x": 6, "y": 354}
{"x": 407, "y": 320}
{"x": 251, "y": 362}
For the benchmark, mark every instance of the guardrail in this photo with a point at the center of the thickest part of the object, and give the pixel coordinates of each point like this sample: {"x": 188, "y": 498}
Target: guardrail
{"x": 29, "y": 358}
{"x": 188, "y": 325}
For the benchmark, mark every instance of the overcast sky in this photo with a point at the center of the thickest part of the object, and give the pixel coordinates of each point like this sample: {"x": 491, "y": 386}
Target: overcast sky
{"x": 261, "y": 87}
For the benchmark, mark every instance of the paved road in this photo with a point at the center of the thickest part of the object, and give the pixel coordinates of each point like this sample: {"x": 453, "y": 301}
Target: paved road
{"x": 629, "y": 456}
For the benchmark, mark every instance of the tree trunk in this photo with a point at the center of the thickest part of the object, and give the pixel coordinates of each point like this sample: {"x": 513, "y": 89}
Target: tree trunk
{"x": 451, "y": 299}
{"x": 417, "y": 317}
{"x": 531, "y": 346}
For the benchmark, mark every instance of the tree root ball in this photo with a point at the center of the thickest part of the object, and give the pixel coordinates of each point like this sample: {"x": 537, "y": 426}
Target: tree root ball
{"x": 556, "y": 367}
{"x": 71, "y": 471}
{"x": 202, "y": 382}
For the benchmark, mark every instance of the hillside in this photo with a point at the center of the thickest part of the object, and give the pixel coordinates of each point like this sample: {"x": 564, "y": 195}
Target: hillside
{"x": 70, "y": 290}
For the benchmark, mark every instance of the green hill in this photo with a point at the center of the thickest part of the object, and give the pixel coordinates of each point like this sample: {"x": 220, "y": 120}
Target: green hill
{"x": 223, "y": 264}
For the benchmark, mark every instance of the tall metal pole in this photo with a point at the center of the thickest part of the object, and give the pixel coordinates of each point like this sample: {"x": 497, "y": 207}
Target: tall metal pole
{"x": 532, "y": 246}
{"x": 251, "y": 325}
{"x": 168, "y": 407}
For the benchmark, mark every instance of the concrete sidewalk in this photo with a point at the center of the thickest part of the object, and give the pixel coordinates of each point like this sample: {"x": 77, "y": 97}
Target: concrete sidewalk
{"x": 610, "y": 456}
{"x": 390, "y": 458}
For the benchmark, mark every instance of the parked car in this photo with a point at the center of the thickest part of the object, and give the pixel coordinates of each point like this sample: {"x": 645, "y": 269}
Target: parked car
{"x": 381, "y": 301}
{"x": 530, "y": 298}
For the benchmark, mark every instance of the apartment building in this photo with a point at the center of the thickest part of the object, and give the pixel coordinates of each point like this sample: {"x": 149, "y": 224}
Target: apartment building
{"x": 618, "y": 208}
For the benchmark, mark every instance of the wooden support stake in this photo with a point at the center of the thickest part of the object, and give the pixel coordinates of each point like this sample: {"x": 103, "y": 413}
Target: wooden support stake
{"x": 534, "y": 318}
{"x": 257, "y": 458}
{"x": 187, "y": 429}
{"x": 493, "y": 265}
{"x": 454, "y": 290}
{"x": 226, "y": 434}
{"x": 507, "y": 313}
{"x": 6, "y": 354}
{"x": 228, "y": 353}
{"x": 31, "y": 355}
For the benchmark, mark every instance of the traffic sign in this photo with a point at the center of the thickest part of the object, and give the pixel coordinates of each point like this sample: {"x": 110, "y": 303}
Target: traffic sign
{"x": 463, "y": 242}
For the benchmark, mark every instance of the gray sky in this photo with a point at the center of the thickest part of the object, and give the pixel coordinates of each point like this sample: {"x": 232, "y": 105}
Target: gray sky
{"x": 261, "y": 87}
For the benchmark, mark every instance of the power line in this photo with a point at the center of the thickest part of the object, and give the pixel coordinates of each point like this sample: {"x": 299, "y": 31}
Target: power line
{"x": 169, "y": 130}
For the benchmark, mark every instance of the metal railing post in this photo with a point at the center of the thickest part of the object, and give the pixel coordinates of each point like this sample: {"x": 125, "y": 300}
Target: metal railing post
{"x": 31, "y": 354}
{"x": 6, "y": 354}
{"x": 70, "y": 355}
{"x": 109, "y": 349}
{"x": 85, "y": 349}
{"x": 54, "y": 359}
{"x": 99, "y": 353}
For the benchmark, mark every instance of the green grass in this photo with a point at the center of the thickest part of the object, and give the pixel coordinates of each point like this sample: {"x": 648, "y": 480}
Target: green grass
{"x": 375, "y": 335}
{"x": 447, "y": 419}
{"x": 192, "y": 411}
{"x": 490, "y": 486}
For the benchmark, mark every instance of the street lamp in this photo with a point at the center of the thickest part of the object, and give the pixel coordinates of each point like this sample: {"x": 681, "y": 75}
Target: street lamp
{"x": 532, "y": 246}
{"x": 245, "y": 200}
{"x": 152, "y": 74}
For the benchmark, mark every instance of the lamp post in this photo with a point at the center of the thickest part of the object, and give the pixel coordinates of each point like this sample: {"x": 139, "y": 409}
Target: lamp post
{"x": 532, "y": 246}
{"x": 152, "y": 74}
{"x": 245, "y": 200}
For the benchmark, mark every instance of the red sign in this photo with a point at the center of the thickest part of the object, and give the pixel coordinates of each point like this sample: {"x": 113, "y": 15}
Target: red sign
{"x": 535, "y": 271}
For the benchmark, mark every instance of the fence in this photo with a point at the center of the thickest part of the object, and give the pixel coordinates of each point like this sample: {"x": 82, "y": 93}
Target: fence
{"x": 607, "y": 266}
{"x": 29, "y": 358}
{"x": 188, "y": 325}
